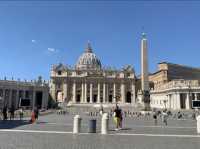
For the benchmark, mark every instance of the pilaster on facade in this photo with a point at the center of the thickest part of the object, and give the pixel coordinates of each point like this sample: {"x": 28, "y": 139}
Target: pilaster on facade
{"x": 74, "y": 92}
{"x": 85, "y": 99}
{"x": 187, "y": 102}
{"x": 195, "y": 96}
{"x": 107, "y": 93}
{"x": 104, "y": 92}
{"x": 122, "y": 92}
{"x": 114, "y": 93}
{"x": 178, "y": 106}
{"x": 17, "y": 99}
{"x": 53, "y": 91}
{"x": 91, "y": 93}
{"x": 99, "y": 93}
{"x": 10, "y": 98}
{"x": 65, "y": 91}
{"x": 4, "y": 93}
{"x": 133, "y": 94}
{"x": 34, "y": 100}
{"x": 82, "y": 92}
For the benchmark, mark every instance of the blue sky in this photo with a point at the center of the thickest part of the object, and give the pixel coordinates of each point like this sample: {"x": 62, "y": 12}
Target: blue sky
{"x": 35, "y": 35}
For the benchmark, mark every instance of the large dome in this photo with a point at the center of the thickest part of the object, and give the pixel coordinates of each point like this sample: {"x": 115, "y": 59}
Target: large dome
{"x": 88, "y": 60}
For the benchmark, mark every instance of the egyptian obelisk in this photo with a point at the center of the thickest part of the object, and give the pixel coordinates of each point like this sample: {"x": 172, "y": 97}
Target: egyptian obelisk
{"x": 144, "y": 73}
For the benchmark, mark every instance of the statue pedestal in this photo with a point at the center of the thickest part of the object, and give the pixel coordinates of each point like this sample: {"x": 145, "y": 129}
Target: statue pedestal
{"x": 146, "y": 100}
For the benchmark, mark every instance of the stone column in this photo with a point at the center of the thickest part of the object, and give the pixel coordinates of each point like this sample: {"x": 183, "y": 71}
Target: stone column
{"x": 53, "y": 90}
{"x": 65, "y": 92}
{"x": 85, "y": 92}
{"x": 187, "y": 102}
{"x": 24, "y": 94}
{"x": 133, "y": 94}
{"x": 33, "y": 98}
{"x": 17, "y": 99}
{"x": 122, "y": 93}
{"x": 107, "y": 92}
{"x": 82, "y": 93}
{"x": 91, "y": 93}
{"x": 99, "y": 93}
{"x": 3, "y": 96}
{"x": 74, "y": 92}
{"x": 178, "y": 106}
{"x": 195, "y": 96}
{"x": 114, "y": 93}
{"x": 10, "y": 98}
{"x": 43, "y": 100}
{"x": 174, "y": 101}
{"x": 104, "y": 92}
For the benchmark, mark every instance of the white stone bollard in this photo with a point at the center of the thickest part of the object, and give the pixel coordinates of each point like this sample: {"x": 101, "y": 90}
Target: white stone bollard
{"x": 104, "y": 123}
{"x": 77, "y": 124}
{"x": 198, "y": 124}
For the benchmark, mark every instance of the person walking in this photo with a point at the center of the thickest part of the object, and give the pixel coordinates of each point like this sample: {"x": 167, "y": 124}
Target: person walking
{"x": 155, "y": 118}
{"x": 5, "y": 117}
{"x": 12, "y": 112}
{"x": 32, "y": 120}
{"x": 164, "y": 117}
{"x": 118, "y": 117}
{"x": 21, "y": 114}
{"x": 36, "y": 111}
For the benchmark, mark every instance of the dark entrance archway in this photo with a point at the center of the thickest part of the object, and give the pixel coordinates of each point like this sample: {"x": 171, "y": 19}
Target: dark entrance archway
{"x": 94, "y": 98}
{"x": 78, "y": 98}
{"x": 182, "y": 101}
{"x": 88, "y": 99}
{"x": 110, "y": 98}
{"x": 128, "y": 97}
{"x": 38, "y": 100}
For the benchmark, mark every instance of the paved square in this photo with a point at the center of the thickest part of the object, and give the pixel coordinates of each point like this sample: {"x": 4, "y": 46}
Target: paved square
{"x": 55, "y": 131}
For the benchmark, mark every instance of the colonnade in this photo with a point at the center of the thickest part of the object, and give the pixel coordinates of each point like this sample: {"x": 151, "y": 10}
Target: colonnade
{"x": 101, "y": 90}
{"x": 175, "y": 101}
{"x": 11, "y": 97}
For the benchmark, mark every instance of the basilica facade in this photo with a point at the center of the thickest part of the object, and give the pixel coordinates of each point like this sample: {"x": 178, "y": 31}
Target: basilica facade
{"x": 89, "y": 82}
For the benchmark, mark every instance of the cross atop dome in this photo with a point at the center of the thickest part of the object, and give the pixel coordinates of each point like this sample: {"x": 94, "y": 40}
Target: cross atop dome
{"x": 88, "y": 48}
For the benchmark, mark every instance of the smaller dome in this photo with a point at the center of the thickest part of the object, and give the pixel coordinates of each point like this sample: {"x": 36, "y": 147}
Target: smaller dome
{"x": 88, "y": 60}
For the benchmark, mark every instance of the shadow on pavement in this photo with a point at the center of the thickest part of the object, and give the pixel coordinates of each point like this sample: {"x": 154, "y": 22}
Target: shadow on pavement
{"x": 121, "y": 129}
{"x": 8, "y": 124}
{"x": 41, "y": 122}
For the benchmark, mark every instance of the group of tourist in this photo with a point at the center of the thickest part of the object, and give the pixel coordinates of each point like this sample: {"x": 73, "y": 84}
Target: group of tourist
{"x": 11, "y": 113}
{"x": 164, "y": 115}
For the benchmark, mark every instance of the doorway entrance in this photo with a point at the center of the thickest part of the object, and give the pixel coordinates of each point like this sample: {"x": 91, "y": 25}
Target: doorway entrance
{"x": 182, "y": 101}
{"x": 128, "y": 97}
{"x": 110, "y": 98}
{"x": 38, "y": 100}
{"x": 78, "y": 98}
{"x": 94, "y": 98}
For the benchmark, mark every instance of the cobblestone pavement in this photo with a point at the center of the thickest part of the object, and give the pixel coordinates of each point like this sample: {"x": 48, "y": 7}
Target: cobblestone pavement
{"x": 54, "y": 132}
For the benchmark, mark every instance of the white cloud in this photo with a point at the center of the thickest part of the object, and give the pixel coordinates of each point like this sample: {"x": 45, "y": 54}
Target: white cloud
{"x": 33, "y": 41}
{"x": 52, "y": 50}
